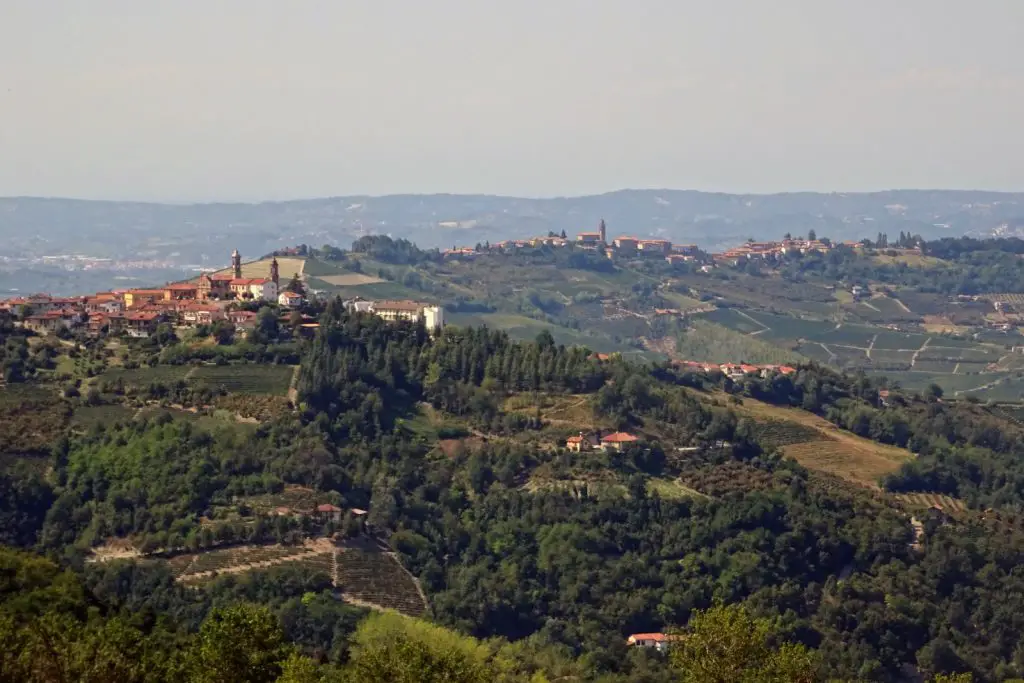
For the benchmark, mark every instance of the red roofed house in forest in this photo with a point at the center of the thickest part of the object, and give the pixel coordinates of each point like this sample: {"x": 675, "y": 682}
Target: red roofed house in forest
{"x": 617, "y": 441}
{"x": 328, "y": 512}
{"x": 579, "y": 443}
{"x": 658, "y": 641}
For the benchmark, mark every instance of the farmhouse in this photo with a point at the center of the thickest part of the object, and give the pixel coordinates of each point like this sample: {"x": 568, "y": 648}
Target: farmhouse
{"x": 290, "y": 299}
{"x": 617, "y": 441}
{"x": 579, "y": 444}
{"x": 658, "y": 641}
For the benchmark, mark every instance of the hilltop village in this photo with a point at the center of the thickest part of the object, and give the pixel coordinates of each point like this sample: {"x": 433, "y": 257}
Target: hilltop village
{"x": 626, "y": 246}
{"x": 206, "y": 300}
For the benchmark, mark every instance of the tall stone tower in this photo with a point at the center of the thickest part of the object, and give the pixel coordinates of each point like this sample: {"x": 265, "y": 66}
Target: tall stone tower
{"x": 275, "y": 272}
{"x": 604, "y": 239}
{"x": 236, "y": 263}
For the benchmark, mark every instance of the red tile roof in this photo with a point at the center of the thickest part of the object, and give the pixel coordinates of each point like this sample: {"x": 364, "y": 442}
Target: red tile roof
{"x": 619, "y": 437}
{"x": 326, "y": 507}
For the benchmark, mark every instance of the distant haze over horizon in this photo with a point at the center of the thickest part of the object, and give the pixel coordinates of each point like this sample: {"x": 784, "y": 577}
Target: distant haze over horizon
{"x": 508, "y": 196}
{"x": 259, "y": 100}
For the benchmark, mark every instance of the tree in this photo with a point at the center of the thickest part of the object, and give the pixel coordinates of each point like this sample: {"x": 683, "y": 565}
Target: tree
{"x": 389, "y": 648}
{"x": 238, "y": 643}
{"x": 267, "y": 328}
{"x": 295, "y": 285}
{"x": 811, "y": 235}
{"x": 299, "y": 669}
{"x": 728, "y": 645}
{"x": 933, "y": 392}
{"x": 224, "y": 332}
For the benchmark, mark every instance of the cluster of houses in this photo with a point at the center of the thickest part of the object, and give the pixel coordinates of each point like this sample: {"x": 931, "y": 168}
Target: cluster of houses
{"x": 623, "y": 246}
{"x": 736, "y": 370}
{"x": 760, "y": 251}
{"x": 136, "y": 312}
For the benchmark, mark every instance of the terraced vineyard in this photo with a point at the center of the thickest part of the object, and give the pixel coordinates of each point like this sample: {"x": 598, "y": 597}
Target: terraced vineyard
{"x": 377, "y": 578}
{"x": 928, "y": 500}
{"x": 195, "y": 569}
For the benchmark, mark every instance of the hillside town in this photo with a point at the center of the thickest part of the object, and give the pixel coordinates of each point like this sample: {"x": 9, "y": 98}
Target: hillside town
{"x": 206, "y": 300}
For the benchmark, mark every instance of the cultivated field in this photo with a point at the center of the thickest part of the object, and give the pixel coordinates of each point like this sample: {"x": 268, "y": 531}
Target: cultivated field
{"x": 362, "y": 573}
{"x": 835, "y": 451}
{"x": 87, "y": 416}
{"x": 927, "y": 500}
{"x": 350, "y": 279}
{"x": 367, "y": 576}
{"x": 142, "y": 377}
{"x": 772, "y": 433}
{"x": 246, "y": 379}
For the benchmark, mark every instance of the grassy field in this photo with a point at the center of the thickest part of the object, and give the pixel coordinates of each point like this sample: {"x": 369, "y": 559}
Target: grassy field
{"x": 671, "y": 489}
{"x": 350, "y": 279}
{"x": 835, "y": 451}
{"x": 246, "y": 379}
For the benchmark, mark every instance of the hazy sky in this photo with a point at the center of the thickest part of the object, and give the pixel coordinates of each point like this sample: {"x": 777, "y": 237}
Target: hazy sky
{"x": 260, "y": 99}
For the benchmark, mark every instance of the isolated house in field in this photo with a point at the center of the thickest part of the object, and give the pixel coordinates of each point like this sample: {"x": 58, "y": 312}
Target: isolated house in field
{"x": 579, "y": 443}
{"x": 617, "y": 441}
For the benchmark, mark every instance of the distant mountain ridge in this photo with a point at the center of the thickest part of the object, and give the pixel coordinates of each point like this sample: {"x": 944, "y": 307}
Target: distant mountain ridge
{"x": 204, "y": 233}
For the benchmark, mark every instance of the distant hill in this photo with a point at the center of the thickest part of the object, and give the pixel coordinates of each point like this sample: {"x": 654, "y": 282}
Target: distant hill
{"x": 203, "y": 234}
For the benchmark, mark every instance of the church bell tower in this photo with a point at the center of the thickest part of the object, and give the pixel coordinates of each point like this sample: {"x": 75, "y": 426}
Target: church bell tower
{"x": 236, "y": 263}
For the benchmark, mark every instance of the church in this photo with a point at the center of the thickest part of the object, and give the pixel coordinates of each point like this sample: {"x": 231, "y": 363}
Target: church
{"x": 233, "y": 286}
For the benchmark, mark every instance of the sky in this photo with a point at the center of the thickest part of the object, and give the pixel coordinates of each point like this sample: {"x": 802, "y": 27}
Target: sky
{"x": 198, "y": 100}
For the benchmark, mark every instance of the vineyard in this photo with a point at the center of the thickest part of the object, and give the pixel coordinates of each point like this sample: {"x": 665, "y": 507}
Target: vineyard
{"x": 860, "y": 464}
{"x": 246, "y": 379}
{"x": 206, "y": 566}
{"x": 778, "y": 433}
{"x": 726, "y": 478}
{"x": 368, "y": 576}
{"x": 143, "y": 377}
{"x": 31, "y": 418}
{"x": 1015, "y": 299}
{"x": 928, "y": 500}
{"x": 362, "y": 573}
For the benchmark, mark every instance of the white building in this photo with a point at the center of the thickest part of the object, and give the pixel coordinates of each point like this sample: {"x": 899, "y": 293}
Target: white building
{"x": 431, "y": 316}
{"x": 289, "y": 299}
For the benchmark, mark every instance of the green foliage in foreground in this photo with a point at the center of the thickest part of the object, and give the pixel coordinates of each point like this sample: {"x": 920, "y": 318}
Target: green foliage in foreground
{"x": 728, "y": 645}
